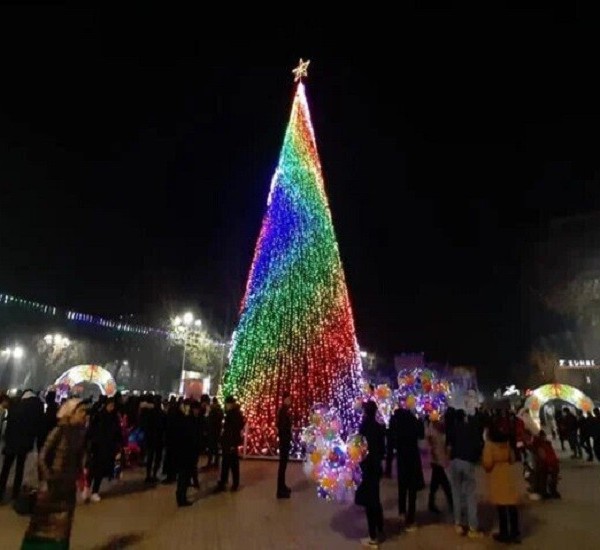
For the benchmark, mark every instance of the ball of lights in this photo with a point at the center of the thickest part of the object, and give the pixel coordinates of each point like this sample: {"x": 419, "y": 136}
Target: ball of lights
{"x": 332, "y": 463}
{"x": 423, "y": 391}
{"x": 382, "y": 394}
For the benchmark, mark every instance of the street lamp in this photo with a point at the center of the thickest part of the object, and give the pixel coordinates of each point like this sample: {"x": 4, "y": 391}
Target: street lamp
{"x": 17, "y": 352}
{"x": 183, "y": 325}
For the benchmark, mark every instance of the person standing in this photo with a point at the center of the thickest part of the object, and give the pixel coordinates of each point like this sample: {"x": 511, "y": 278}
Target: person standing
{"x": 595, "y": 429}
{"x": 22, "y": 429}
{"x": 152, "y": 422}
{"x": 407, "y": 431}
{"x": 572, "y": 432}
{"x": 498, "y": 459}
{"x": 284, "y": 430}
{"x": 105, "y": 443}
{"x": 169, "y": 467}
{"x": 466, "y": 445}
{"x": 584, "y": 427}
{"x": 213, "y": 432}
{"x": 230, "y": 441}
{"x": 60, "y": 463}
{"x": 49, "y": 421}
{"x": 389, "y": 450}
{"x": 367, "y": 493}
{"x": 186, "y": 451}
{"x": 198, "y": 437}
{"x": 4, "y": 406}
{"x": 439, "y": 462}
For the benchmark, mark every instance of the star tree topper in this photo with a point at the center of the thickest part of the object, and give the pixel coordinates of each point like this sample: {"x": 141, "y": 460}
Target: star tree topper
{"x": 301, "y": 71}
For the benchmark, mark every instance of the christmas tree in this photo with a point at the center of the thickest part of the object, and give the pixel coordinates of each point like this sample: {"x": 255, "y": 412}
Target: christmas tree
{"x": 296, "y": 331}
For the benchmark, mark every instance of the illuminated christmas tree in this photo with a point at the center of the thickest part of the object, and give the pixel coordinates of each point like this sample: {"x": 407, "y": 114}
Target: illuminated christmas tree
{"x": 296, "y": 330}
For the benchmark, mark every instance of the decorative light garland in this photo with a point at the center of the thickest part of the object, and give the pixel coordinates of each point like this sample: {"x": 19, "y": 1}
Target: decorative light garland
{"x": 296, "y": 329}
{"x": 9, "y": 300}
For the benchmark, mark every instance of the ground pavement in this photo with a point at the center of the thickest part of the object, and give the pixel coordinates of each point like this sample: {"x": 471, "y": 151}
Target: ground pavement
{"x": 132, "y": 515}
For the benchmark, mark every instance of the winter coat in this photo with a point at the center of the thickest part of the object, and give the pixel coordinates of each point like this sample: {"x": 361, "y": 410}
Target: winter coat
{"x": 49, "y": 422}
{"x": 407, "y": 431}
{"x": 188, "y": 442}
{"x": 498, "y": 460}
{"x": 214, "y": 423}
{"x": 232, "y": 429}
{"x": 105, "y": 441}
{"x": 152, "y": 422}
{"x": 25, "y": 420}
{"x": 367, "y": 493}
{"x": 466, "y": 440}
{"x": 284, "y": 426}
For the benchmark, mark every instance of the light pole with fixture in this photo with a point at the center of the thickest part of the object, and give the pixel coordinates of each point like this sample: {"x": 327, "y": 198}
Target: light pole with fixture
{"x": 57, "y": 340}
{"x": 183, "y": 325}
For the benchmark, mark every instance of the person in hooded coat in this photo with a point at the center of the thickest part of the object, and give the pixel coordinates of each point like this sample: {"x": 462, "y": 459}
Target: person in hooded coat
{"x": 60, "y": 465}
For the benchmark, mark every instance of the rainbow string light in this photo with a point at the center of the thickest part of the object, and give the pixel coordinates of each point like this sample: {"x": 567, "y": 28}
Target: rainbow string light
{"x": 296, "y": 330}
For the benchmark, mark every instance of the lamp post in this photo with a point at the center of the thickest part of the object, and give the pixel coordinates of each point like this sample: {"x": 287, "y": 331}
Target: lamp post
{"x": 183, "y": 326}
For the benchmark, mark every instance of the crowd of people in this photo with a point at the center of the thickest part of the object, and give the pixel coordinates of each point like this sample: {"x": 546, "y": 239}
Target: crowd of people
{"x": 82, "y": 443}
{"x": 514, "y": 452}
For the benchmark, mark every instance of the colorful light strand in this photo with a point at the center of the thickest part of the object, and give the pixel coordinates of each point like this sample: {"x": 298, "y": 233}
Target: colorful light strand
{"x": 296, "y": 330}
{"x": 9, "y": 300}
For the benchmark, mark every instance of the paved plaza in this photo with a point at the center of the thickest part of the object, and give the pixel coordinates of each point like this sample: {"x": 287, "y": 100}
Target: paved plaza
{"x": 132, "y": 515}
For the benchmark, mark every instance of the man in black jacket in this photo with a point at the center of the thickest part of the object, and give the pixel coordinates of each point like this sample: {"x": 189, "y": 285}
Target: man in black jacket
{"x": 22, "y": 429}
{"x": 230, "y": 441}
{"x": 465, "y": 440}
{"x": 187, "y": 443}
{"x": 284, "y": 430}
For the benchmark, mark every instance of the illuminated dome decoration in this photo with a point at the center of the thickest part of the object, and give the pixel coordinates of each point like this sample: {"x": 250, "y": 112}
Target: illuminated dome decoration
{"x": 296, "y": 331}
{"x": 423, "y": 391}
{"x": 93, "y": 374}
{"x": 547, "y": 392}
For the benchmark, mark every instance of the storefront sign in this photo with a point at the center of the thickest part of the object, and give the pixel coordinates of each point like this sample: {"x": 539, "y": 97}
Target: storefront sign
{"x": 577, "y": 364}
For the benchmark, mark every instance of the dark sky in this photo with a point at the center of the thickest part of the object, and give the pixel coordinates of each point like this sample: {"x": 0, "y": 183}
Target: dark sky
{"x": 136, "y": 152}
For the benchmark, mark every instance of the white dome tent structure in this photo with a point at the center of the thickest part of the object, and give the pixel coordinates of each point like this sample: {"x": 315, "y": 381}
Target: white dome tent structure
{"x": 540, "y": 396}
{"x": 91, "y": 374}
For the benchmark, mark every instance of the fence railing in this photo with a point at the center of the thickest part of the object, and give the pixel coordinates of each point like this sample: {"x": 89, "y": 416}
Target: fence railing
{"x": 262, "y": 442}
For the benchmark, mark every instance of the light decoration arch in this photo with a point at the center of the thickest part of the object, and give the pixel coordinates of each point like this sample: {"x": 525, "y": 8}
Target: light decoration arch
{"x": 93, "y": 374}
{"x": 540, "y": 396}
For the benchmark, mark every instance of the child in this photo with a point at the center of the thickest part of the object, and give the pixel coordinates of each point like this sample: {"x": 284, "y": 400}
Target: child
{"x": 547, "y": 467}
{"x": 498, "y": 458}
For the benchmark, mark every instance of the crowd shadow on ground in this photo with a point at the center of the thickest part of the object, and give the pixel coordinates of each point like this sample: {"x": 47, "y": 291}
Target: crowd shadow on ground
{"x": 119, "y": 542}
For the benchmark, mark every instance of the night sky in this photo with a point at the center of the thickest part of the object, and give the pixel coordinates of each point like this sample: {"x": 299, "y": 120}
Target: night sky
{"x": 137, "y": 149}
